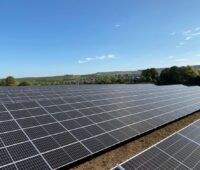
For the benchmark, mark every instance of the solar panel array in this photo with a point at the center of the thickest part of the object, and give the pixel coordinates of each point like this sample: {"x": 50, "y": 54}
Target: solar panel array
{"x": 180, "y": 151}
{"x": 52, "y": 127}
{"x": 20, "y": 94}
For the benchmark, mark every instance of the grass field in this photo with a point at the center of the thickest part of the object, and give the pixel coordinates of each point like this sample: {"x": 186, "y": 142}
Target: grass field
{"x": 126, "y": 151}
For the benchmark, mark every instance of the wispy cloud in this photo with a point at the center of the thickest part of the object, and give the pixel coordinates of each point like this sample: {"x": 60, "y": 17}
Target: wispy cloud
{"x": 117, "y": 25}
{"x": 188, "y": 38}
{"x": 171, "y": 57}
{"x": 186, "y": 32}
{"x": 181, "y": 43}
{"x": 100, "y": 58}
{"x": 184, "y": 59}
{"x": 197, "y": 29}
{"x": 179, "y": 46}
{"x": 188, "y": 35}
{"x": 181, "y": 59}
{"x": 195, "y": 34}
{"x": 177, "y": 58}
{"x": 85, "y": 60}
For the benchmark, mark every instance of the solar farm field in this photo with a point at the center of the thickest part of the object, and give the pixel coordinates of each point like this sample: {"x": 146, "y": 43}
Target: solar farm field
{"x": 51, "y": 127}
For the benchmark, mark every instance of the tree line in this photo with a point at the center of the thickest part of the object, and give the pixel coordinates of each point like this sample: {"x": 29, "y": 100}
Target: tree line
{"x": 174, "y": 75}
{"x": 11, "y": 81}
{"x": 89, "y": 79}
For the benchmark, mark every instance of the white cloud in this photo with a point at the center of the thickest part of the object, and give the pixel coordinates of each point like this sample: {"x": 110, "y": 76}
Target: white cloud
{"x": 186, "y": 32}
{"x": 171, "y": 57}
{"x": 110, "y": 56}
{"x": 117, "y": 25}
{"x": 181, "y": 43}
{"x": 189, "y": 35}
{"x": 176, "y": 59}
{"x": 197, "y": 55}
{"x": 85, "y": 60}
{"x": 181, "y": 59}
{"x": 188, "y": 38}
{"x": 103, "y": 57}
{"x": 197, "y": 29}
{"x": 195, "y": 34}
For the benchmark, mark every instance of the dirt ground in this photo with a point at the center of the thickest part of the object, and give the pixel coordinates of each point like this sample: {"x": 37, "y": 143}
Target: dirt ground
{"x": 109, "y": 159}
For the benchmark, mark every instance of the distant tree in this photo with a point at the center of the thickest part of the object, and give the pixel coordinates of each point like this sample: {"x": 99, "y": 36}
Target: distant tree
{"x": 197, "y": 80}
{"x": 25, "y": 83}
{"x": 10, "y": 81}
{"x": 2, "y": 83}
{"x": 188, "y": 75}
{"x": 166, "y": 77}
{"x": 169, "y": 75}
{"x": 198, "y": 72}
{"x": 179, "y": 75}
{"x": 150, "y": 75}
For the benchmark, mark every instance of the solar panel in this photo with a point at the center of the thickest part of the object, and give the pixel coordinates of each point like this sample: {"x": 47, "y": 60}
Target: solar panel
{"x": 70, "y": 93}
{"x": 61, "y": 130}
{"x": 179, "y": 151}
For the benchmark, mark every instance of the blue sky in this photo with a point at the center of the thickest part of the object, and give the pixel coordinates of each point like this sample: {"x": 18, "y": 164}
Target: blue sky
{"x": 57, "y": 37}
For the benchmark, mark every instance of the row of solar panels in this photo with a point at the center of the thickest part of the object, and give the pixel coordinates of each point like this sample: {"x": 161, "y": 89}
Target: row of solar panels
{"x": 30, "y": 93}
{"x": 52, "y": 133}
{"x": 179, "y": 151}
{"x": 72, "y": 89}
